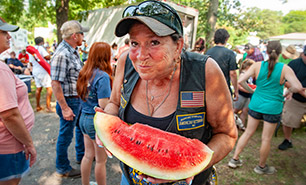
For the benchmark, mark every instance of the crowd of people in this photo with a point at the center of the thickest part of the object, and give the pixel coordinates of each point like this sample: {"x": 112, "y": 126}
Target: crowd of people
{"x": 156, "y": 82}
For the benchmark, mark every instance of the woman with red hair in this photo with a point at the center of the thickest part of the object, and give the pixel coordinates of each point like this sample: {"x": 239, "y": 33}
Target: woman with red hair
{"x": 94, "y": 88}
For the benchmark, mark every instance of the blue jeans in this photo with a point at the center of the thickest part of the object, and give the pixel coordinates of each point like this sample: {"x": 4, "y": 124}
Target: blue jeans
{"x": 13, "y": 166}
{"x": 87, "y": 125}
{"x": 124, "y": 181}
{"x": 65, "y": 137}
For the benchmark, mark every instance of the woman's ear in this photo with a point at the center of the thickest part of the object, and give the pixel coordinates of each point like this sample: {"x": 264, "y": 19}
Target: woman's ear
{"x": 179, "y": 45}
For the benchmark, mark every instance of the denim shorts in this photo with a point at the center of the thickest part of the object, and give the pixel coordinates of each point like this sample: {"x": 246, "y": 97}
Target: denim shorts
{"x": 13, "y": 166}
{"x": 87, "y": 125}
{"x": 271, "y": 118}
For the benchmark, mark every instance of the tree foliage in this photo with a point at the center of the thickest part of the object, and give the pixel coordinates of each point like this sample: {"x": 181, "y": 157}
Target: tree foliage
{"x": 36, "y": 13}
{"x": 11, "y": 10}
{"x": 294, "y": 21}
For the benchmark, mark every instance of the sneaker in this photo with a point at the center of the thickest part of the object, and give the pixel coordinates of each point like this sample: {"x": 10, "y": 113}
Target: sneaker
{"x": 285, "y": 145}
{"x": 266, "y": 170}
{"x": 93, "y": 183}
{"x": 234, "y": 163}
{"x": 72, "y": 173}
{"x": 239, "y": 122}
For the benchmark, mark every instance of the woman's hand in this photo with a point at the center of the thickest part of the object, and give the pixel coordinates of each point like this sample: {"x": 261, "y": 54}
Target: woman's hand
{"x": 98, "y": 141}
{"x": 158, "y": 181}
{"x": 30, "y": 152}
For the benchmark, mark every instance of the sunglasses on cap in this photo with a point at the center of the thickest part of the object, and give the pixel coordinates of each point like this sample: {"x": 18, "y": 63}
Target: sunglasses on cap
{"x": 157, "y": 10}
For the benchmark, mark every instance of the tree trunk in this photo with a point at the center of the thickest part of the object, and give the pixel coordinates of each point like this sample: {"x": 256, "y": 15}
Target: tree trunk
{"x": 212, "y": 19}
{"x": 62, "y": 8}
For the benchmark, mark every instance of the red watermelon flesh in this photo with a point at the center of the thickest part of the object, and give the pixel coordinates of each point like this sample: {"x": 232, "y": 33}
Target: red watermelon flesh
{"x": 152, "y": 151}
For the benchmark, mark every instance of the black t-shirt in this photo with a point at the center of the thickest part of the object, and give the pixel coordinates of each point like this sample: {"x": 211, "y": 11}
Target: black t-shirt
{"x": 226, "y": 60}
{"x": 299, "y": 68}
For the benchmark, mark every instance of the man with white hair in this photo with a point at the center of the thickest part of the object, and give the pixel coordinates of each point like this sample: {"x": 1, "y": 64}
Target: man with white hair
{"x": 65, "y": 67}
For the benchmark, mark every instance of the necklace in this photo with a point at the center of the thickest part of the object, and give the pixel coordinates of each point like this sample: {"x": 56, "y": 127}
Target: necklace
{"x": 152, "y": 97}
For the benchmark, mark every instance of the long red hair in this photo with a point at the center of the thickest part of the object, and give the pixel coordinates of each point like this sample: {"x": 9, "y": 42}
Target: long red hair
{"x": 98, "y": 58}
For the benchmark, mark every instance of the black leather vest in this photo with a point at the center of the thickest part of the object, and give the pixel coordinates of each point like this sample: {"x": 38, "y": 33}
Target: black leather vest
{"x": 190, "y": 117}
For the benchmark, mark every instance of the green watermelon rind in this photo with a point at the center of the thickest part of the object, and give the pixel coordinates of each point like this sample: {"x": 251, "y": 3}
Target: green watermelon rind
{"x": 146, "y": 168}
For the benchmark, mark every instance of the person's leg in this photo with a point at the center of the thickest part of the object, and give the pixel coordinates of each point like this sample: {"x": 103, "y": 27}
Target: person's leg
{"x": 11, "y": 182}
{"x": 287, "y": 132}
{"x": 100, "y": 168}
{"x": 79, "y": 138}
{"x": 267, "y": 133}
{"x": 65, "y": 136}
{"x": 37, "y": 96}
{"x": 293, "y": 112}
{"x": 48, "y": 98}
{"x": 87, "y": 160}
{"x": 244, "y": 115}
{"x": 243, "y": 140}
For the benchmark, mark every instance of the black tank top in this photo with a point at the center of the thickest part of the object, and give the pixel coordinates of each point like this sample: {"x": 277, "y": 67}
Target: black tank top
{"x": 135, "y": 116}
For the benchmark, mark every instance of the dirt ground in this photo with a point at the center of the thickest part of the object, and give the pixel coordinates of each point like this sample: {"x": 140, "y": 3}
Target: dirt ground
{"x": 44, "y": 134}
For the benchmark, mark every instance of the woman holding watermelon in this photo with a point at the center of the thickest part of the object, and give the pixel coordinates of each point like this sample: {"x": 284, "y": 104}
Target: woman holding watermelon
{"x": 94, "y": 88}
{"x": 159, "y": 84}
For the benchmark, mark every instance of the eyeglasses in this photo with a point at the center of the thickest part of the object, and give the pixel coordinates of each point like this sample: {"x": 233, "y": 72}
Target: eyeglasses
{"x": 80, "y": 33}
{"x": 160, "y": 11}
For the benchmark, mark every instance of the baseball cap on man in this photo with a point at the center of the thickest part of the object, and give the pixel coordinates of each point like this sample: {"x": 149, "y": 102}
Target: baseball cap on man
{"x": 7, "y": 27}
{"x": 248, "y": 46}
{"x": 71, "y": 27}
{"x": 290, "y": 52}
{"x": 161, "y": 18}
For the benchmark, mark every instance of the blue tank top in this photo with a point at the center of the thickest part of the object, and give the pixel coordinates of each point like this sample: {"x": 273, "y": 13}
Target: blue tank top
{"x": 268, "y": 96}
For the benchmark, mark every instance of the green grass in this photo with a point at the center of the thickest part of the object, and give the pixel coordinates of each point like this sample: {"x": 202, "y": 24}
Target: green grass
{"x": 290, "y": 164}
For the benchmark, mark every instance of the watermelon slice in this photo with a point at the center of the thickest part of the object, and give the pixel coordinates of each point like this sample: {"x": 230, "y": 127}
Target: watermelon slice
{"x": 154, "y": 152}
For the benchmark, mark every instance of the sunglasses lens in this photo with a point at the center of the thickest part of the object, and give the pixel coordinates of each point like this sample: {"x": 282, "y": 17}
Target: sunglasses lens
{"x": 151, "y": 9}
{"x": 162, "y": 12}
{"x": 129, "y": 11}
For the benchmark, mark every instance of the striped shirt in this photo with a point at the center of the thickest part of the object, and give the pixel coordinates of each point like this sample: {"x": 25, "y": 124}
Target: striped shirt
{"x": 65, "y": 67}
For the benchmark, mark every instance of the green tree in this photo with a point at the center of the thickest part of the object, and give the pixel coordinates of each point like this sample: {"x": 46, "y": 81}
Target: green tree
{"x": 265, "y": 22}
{"x": 11, "y": 10}
{"x": 39, "y": 13}
{"x": 294, "y": 21}
{"x": 212, "y": 14}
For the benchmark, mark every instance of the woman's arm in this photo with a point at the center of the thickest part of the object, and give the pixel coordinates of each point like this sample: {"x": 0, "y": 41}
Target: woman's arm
{"x": 295, "y": 84}
{"x": 219, "y": 112}
{"x": 114, "y": 103}
{"x": 245, "y": 76}
{"x": 14, "y": 123}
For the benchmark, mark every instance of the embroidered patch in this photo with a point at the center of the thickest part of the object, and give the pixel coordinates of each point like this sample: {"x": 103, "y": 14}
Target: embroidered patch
{"x": 122, "y": 102}
{"x": 190, "y": 121}
{"x": 134, "y": 177}
{"x": 192, "y": 99}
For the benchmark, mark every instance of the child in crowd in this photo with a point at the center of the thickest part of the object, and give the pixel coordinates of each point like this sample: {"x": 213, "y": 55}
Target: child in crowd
{"x": 94, "y": 88}
{"x": 242, "y": 105}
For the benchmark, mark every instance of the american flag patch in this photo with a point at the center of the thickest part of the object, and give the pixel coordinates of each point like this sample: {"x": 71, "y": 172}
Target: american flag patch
{"x": 192, "y": 99}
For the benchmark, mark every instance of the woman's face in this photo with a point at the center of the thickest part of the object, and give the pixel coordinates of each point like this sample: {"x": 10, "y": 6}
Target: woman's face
{"x": 4, "y": 40}
{"x": 153, "y": 57}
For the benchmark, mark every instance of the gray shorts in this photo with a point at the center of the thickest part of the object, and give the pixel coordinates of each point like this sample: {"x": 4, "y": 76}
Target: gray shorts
{"x": 241, "y": 103}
